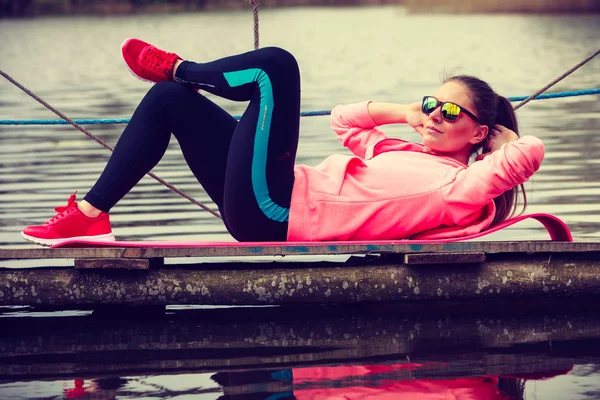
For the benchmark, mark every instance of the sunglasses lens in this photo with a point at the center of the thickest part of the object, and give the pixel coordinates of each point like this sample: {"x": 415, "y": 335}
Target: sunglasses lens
{"x": 450, "y": 111}
{"x": 429, "y": 104}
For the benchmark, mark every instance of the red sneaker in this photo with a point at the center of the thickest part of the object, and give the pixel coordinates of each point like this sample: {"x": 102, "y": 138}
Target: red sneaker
{"x": 147, "y": 62}
{"x": 70, "y": 223}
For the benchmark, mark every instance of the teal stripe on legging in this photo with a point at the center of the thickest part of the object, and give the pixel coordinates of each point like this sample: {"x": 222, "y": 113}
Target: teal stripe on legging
{"x": 261, "y": 140}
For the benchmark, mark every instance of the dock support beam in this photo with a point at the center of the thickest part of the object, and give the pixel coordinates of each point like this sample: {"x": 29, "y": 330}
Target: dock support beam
{"x": 297, "y": 283}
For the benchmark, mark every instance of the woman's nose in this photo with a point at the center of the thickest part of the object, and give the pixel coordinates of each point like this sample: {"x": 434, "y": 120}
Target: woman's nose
{"x": 436, "y": 115}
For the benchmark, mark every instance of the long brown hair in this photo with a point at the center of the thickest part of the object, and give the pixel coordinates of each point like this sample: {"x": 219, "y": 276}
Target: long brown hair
{"x": 491, "y": 108}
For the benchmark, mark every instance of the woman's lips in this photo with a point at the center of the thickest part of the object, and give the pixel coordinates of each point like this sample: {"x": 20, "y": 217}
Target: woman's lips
{"x": 432, "y": 129}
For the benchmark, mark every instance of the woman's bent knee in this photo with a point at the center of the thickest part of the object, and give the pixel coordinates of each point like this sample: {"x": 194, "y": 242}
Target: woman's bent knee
{"x": 279, "y": 57}
{"x": 167, "y": 90}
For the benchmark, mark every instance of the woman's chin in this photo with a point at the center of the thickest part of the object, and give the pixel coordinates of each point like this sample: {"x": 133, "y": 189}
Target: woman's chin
{"x": 432, "y": 144}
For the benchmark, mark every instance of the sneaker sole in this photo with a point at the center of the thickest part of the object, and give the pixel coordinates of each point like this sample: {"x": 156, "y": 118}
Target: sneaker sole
{"x": 109, "y": 237}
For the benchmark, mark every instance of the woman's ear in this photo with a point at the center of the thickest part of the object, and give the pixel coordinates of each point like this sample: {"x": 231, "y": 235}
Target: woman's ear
{"x": 480, "y": 134}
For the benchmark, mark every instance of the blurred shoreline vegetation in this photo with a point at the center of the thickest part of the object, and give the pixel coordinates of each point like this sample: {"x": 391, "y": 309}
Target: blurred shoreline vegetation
{"x": 34, "y": 8}
{"x": 503, "y": 6}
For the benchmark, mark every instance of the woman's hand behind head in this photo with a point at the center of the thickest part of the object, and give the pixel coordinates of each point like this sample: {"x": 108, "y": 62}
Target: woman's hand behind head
{"x": 415, "y": 117}
{"x": 496, "y": 138}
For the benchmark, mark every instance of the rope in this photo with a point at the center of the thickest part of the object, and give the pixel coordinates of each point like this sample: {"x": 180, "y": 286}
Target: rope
{"x": 554, "y": 82}
{"x": 557, "y": 95}
{"x": 256, "y": 4}
{"x": 103, "y": 143}
{"x": 111, "y": 121}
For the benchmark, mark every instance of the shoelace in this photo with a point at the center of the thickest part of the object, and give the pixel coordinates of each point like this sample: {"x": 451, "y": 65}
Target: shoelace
{"x": 158, "y": 60}
{"x": 63, "y": 210}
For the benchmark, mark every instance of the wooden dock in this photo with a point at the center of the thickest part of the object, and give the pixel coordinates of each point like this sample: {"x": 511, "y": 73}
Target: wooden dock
{"x": 373, "y": 273}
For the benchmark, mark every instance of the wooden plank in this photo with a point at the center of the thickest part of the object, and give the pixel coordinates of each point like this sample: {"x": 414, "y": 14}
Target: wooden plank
{"x": 444, "y": 258}
{"x": 245, "y": 249}
{"x": 112, "y": 263}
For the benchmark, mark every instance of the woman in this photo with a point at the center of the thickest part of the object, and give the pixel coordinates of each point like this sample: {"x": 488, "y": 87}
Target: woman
{"x": 389, "y": 189}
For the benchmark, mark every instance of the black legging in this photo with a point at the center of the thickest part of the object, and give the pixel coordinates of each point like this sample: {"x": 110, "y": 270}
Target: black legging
{"x": 246, "y": 167}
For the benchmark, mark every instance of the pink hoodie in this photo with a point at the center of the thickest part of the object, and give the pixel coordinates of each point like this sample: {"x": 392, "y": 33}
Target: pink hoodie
{"x": 390, "y": 189}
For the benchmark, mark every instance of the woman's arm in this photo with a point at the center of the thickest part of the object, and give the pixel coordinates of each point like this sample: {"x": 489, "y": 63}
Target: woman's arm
{"x": 391, "y": 113}
{"x": 510, "y": 165}
{"x": 356, "y": 124}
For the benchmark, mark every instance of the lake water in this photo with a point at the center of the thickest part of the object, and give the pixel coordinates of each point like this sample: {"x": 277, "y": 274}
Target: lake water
{"x": 345, "y": 55}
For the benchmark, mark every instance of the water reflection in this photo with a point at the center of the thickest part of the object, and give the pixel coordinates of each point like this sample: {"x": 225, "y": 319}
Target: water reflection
{"x": 304, "y": 353}
{"x": 371, "y": 381}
